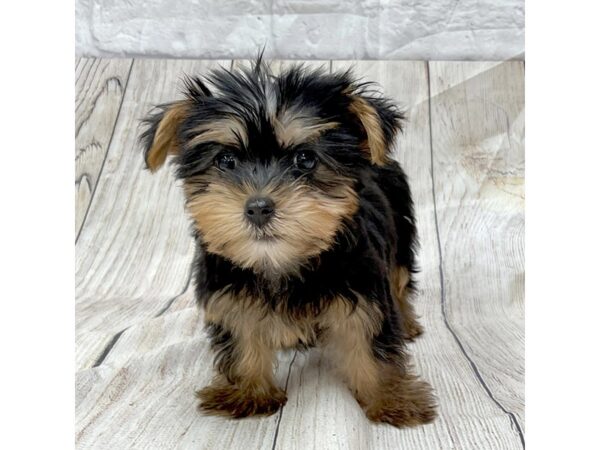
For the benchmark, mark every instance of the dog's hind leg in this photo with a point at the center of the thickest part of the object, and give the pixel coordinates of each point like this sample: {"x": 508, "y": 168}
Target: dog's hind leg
{"x": 401, "y": 291}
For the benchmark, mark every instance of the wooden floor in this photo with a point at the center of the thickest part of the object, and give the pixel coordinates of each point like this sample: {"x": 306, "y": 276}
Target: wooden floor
{"x": 141, "y": 351}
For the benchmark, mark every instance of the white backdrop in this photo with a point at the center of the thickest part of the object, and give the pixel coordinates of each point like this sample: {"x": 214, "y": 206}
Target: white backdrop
{"x": 302, "y": 29}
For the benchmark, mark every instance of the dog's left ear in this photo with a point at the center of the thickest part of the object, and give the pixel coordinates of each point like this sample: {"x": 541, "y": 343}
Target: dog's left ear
{"x": 160, "y": 138}
{"x": 381, "y": 121}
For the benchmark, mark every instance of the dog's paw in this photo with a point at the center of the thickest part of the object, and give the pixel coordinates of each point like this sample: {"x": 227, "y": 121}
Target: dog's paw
{"x": 406, "y": 402}
{"x": 412, "y": 330}
{"x": 230, "y": 400}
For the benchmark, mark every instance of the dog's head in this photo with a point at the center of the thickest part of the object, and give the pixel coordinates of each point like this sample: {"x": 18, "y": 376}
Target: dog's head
{"x": 270, "y": 163}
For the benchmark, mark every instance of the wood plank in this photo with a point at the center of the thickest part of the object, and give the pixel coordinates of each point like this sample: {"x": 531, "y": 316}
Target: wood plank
{"x": 99, "y": 87}
{"x": 321, "y": 413}
{"x": 133, "y": 256}
{"x": 479, "y": 163}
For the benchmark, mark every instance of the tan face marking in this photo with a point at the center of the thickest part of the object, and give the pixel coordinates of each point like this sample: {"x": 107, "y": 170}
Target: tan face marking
{"x": 294, "y": 126}
{"x": 226, "y": 131}
{"x": 305, "y": 223}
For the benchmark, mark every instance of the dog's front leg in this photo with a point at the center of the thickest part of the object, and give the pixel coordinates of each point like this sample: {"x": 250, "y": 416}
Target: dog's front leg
{"x": 244, "y": 385}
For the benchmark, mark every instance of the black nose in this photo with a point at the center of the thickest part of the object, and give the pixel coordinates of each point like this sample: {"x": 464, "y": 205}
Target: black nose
{"x": 259, "y": 210}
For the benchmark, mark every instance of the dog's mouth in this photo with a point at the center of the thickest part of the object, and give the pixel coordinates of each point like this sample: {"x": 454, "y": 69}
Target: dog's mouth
{"x": 266, "y": 233}
{"x": 266, "y": 238}
{"x": 263, "y": 234}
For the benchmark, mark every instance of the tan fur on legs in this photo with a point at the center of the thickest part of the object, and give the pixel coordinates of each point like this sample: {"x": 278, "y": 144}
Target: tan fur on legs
{"x": 387, "y": 391}
{"x": 224, "y": 398}
{"x": 399, "y": 278}
{"x": 348, "y": 333}
{"x": 402, "y": 400}
{"x": 248, "y": 387}
{"x": 245, "y": 385}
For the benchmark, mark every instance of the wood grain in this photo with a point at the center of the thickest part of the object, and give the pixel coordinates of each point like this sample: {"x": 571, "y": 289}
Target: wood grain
{"x": 477, "y": 112}
{"x": 99, "y": 88}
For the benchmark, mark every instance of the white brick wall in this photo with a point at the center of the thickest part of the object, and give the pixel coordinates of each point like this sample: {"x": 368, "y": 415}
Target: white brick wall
{"x": 302, "y": 29}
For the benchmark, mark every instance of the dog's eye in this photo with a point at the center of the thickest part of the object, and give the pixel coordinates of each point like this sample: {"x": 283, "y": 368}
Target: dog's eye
{"x": 225, "y": 161}
{"x": 305, "y": 160}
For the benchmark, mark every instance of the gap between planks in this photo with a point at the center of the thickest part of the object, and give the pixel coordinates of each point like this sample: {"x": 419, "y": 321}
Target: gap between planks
{"x": 117, "y": 336}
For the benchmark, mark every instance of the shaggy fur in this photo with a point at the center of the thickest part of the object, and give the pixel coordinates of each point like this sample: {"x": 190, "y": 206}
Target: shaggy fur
{"x": 331, "y": 261}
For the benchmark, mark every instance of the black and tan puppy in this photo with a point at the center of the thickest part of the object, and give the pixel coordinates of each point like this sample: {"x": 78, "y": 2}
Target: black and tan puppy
{"x": 305, "y": 233}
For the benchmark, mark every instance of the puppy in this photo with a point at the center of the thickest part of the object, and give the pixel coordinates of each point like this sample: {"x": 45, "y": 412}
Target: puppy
{"x": 305, "y": 233}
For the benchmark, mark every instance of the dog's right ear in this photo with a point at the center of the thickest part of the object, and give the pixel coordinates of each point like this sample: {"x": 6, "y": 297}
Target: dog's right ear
{"x": 160, "y": 138}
